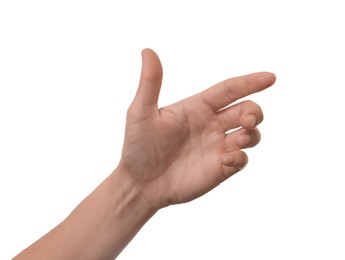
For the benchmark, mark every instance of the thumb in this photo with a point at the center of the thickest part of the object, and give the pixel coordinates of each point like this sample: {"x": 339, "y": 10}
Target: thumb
{"x": 150, "y": 79}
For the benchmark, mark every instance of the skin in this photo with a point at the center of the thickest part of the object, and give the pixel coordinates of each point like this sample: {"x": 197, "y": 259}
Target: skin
{"x": 170, "y": 155}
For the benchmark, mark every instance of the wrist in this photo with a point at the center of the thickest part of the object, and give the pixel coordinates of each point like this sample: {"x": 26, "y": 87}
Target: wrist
{"x": 123, "y": 185}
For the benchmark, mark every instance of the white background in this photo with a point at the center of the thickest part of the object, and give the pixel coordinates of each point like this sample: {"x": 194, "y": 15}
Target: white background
{"x": 69, "y": 69}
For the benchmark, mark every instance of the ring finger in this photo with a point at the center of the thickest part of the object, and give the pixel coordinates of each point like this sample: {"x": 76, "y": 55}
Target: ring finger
{"x": 242, "y": 138}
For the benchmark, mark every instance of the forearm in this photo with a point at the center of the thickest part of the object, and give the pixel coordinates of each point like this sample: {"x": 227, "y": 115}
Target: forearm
{"x": 99, "y": 228}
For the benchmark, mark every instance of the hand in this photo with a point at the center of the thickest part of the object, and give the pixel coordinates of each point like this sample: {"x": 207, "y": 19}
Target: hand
{"x": 177, "y": 153}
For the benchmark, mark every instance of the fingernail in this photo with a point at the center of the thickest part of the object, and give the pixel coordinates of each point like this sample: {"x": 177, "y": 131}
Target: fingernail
{"x": 245, "y": 140}
{"x": 228, "y": 159}
{"x": 252, "y": 120}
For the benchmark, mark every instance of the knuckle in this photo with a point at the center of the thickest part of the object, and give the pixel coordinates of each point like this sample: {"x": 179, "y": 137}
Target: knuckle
{"x": 132, "y": 110}
{"x": 252, "y": 106}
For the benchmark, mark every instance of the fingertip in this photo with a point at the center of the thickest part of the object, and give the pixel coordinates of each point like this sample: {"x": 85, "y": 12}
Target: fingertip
{"x": 251, "y": 121}
{"x": 268, "y": 78}
{"x": 242, "y": 160}
{"x": 228, "y": 159}
{"x": 151, "y": 65}
{"x": 244, "y": 140}
{"x": 238, "y": 159}
{"x": 234, "y": 162}
{"x": 147, "y": 51}
{"x": 144, "y": 54}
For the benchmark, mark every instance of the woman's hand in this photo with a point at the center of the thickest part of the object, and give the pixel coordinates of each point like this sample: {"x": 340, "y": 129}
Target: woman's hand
{"x": 177, "y": 153}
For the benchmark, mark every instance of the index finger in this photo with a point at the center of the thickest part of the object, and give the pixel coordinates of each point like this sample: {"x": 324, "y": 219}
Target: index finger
{"x": 230, "y": 90}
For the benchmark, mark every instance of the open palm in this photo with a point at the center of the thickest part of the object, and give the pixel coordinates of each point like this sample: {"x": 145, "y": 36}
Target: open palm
{"x": 177, "y": 153}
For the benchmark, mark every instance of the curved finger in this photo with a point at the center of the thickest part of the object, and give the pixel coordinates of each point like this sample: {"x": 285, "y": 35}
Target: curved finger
{"x": 241, "y": 139}
{"x": 230, "y": 90}
{"x": 234, "y": 162}
{"x": 246, "y": 114}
